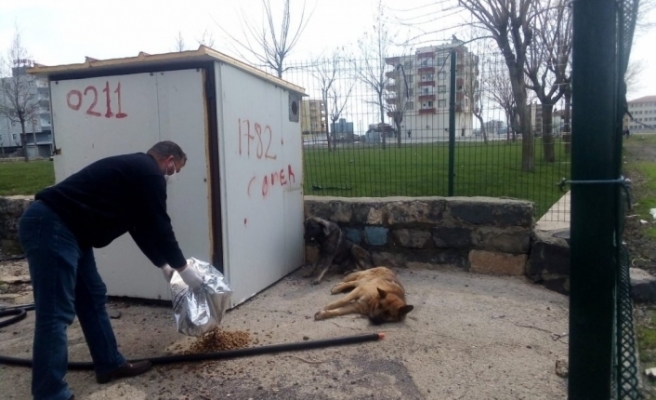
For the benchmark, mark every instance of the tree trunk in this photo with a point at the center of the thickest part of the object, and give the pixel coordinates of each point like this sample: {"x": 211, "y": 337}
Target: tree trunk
{"x": 519, "y": 93}
{"x": 36, "y": 148}
{"x": 24, "y": 141}
{"x": 528, "y": 153}
{"x": 480, "y": 119}
{"x": 325, "y": 110}
{"x": 547, "y": 131}
{"x": 567, "y": 128}
{"x": 398, "y": 133}
{"x": 382, "y": 119}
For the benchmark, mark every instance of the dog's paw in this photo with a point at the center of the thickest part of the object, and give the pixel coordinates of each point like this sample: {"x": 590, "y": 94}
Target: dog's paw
{"x": 320, "y": 315}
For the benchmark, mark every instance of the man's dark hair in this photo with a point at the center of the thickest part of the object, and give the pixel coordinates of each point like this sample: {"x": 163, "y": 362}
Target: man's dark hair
{"x": 167, "y": 148}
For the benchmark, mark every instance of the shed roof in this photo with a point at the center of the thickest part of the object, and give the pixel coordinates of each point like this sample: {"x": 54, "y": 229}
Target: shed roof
{"x": 203, "y": 53}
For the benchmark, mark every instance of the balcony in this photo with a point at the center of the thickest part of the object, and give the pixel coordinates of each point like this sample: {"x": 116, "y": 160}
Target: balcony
{"x": 393, "y": 60}
{"x": 429, "y": 69}
{"x": 427, "y": 111}
{"x": 391, "y": 74}
{"x": 427, "y": 96}
{"x": 391, "y": 100}
{"x": 426, "y": 83}
{"x": 427, "y": 54}
{"x": 391, "y": 87}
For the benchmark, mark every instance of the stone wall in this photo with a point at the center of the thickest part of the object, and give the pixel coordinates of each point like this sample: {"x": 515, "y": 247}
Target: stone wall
{"x": 11, "y": 209}
{"x": 479, "y": 234}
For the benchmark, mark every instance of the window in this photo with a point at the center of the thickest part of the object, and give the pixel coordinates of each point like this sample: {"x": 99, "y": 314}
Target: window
{"x": 409, "y": 105}
{"x": 407, "y": 64}
{"x": 411, "y": 92}
{"x": 442, "y": 104}
{"x": 441, "y": 89}
{"x": 442, "y": 75}
{"x": 14, "y": 137}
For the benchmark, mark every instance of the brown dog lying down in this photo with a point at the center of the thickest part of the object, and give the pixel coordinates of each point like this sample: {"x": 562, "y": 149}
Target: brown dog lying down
{"x": 375, "y": 293}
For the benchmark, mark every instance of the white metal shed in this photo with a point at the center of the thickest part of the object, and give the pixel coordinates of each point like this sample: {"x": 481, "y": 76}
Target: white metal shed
{"x": 238, "y": 203}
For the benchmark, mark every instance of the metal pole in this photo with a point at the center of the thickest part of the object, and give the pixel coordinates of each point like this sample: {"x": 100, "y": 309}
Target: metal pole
{"x": 452, "y": 123}
{"x": 593, "y": 207}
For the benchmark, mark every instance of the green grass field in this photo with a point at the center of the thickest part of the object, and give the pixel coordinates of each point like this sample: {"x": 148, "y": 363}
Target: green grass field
{"x": 25, "y": 178}
{"x": 412, "y": 170}
{"x": 422, "y": 170}
{"x": 641, "y": 167}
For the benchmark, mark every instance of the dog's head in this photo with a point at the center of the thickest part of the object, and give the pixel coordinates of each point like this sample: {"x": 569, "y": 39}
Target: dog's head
{"x": 389, "y": 308}
{"x": 316, "y": 229}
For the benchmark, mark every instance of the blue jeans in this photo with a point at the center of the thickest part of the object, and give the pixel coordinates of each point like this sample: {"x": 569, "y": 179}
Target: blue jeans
{"x": 65, "y": 282}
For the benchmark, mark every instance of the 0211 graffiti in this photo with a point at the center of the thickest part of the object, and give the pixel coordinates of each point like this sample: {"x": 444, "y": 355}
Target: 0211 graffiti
{"x": 75, "y": 98}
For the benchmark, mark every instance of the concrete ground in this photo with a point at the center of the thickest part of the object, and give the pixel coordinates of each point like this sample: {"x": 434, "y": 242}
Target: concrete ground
{"x": 469, "y": 337}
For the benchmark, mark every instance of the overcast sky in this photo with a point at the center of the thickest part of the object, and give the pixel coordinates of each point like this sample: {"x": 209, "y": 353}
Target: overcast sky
{"x": 65, "y": 31}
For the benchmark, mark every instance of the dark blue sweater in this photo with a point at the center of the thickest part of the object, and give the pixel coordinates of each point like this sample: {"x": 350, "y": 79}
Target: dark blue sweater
{"x": 115, "y": 195}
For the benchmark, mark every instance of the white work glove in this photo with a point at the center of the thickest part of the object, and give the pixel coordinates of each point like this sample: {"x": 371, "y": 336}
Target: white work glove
{"x": 190, "y": 276}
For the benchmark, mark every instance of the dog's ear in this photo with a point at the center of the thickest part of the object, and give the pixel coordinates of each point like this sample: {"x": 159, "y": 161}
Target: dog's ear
{"x": 403, "y": 311}
{"x": 381, "y": 293}
{"x": 327, "y": 228}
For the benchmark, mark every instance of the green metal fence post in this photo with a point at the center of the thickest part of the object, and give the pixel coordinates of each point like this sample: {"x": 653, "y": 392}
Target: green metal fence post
{"x": 452, "y": 123}
{"x": 593, "y": 207}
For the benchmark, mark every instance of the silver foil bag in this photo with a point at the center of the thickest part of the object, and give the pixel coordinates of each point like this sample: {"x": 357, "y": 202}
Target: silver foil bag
{"x": 200, "y": 310}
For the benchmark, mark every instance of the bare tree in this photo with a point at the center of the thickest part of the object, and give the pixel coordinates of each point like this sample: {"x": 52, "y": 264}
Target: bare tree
{"x": 548, "y": 61}
{"x": 474, "y": 93}
{"x": 338, "y": 102}
{"x": 510, "y": 24}
{"x": 632, "y": 75}
{"x": 398, "y": 98}
{"x": 374, "y": 47}
{"x": 326, "y": 72}
{"x": 268, "y": 44}
{"x": 499, "y": 90}
{"x": 179, "y": 43}
{"x": 19, "y": 100}
{"x": 207, "y": 39}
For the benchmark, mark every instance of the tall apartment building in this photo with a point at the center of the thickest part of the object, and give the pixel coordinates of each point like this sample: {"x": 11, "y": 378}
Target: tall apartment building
{"x": 313, "y": 116}
{"x": 423, "y": 94}
{"x": 39, "y": 128}
{"x": 643, "y": 111}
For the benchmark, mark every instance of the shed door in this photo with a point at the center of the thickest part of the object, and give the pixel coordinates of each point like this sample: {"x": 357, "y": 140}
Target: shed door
{"x": 261, "y": 170}
{"x": 103, "y": 116}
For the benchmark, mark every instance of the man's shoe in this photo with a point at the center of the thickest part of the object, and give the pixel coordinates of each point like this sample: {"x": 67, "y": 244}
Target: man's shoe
{"x": 125, "y": 371}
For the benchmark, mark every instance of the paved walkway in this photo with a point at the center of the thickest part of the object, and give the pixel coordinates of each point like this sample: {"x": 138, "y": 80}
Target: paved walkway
{"x": 558, "y": 216}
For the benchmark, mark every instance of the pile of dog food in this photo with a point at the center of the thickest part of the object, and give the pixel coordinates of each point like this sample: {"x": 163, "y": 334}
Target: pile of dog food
{"x": 220, "y": 340}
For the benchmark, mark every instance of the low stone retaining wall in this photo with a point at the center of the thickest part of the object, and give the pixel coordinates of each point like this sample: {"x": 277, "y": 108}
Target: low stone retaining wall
{"x": 479, "y": 234}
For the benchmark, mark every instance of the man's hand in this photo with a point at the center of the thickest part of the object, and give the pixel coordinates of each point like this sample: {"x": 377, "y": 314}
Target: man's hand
{"x": 190, "y": 276}
{"x": 168, "y": 273}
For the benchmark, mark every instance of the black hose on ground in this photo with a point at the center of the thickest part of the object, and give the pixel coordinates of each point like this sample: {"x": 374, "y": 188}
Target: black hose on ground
{"x": 20, "y": 312}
